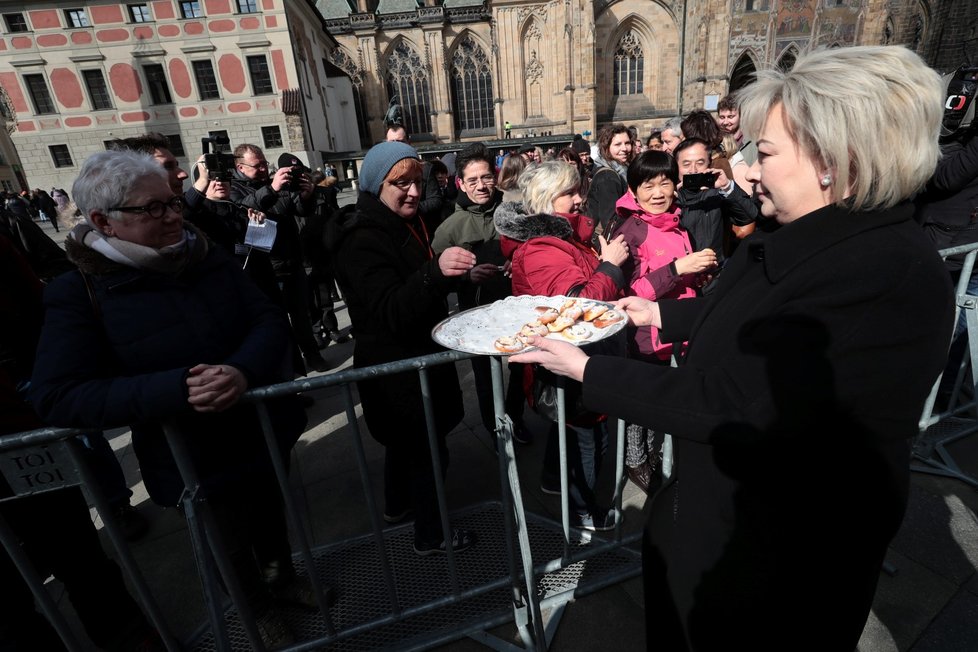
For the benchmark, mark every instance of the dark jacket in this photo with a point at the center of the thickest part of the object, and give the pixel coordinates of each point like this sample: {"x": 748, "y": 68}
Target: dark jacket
{"x": 433, "y": 201}
{"x": 607, "y": 186}
{"x": 471, "y": 226}
{"x": 45, "y": 257}
{"x": 396, "y": 294}
{"x": 226, "y": 224}
{"x": 706, "y": 215}
{"x": 282, "y": 207}
{"x": 127, "y": 364}
{"x": 791, "y": 415}
{"x": 948, "y": 209}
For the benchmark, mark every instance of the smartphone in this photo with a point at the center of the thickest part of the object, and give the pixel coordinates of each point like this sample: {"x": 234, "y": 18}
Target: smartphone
{"x": 700, "y": 180}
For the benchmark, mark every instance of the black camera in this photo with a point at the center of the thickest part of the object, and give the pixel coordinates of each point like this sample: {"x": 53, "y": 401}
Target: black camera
{"x": 960, "y": 86}
{"x": 220, "y": 165}
{"x": 298, "y": 168}
{"x": 699, "y": 180}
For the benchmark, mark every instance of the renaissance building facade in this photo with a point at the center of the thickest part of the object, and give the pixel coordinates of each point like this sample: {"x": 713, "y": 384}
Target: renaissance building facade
{"x": 75, "y": 75}
{"x": 463, "y": 69}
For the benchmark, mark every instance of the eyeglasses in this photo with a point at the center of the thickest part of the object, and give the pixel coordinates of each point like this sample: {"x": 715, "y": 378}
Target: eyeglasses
{"x": 263, "y": 165}
{"x": 405, "y": 184}
{"x": 486, "y": 179}
{"x": 155, "y": 209}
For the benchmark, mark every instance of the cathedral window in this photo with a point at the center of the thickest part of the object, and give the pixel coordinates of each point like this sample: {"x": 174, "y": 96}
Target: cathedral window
{"x": 407, "y": 78}
{"x": 629, "y": 66}
{"x": 472, "y": 98}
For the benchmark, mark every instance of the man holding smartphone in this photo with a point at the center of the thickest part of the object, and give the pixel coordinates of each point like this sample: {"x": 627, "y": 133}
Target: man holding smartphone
{"x": 710, "y": 202}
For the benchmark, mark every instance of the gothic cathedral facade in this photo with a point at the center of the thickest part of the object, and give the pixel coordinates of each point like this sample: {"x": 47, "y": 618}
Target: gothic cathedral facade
{"x": 465, "y": 69}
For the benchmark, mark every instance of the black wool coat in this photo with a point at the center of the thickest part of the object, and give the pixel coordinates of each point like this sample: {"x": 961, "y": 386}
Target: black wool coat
{"x": 125, "y": 363}
{"x": 396, "y": 294}
{"x": 791, "y": 415}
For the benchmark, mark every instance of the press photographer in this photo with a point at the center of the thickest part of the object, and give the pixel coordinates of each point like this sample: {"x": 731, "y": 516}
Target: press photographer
{"x": 210, "y": 209}
{"x": 282, "y": 196}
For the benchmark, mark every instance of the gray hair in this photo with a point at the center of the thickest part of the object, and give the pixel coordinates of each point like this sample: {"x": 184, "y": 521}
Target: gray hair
{"x": 675, "y": 125}
{"x": 106, "y": 178}
{"x": 542, "y": 183}
{"x": 850, "y": 109}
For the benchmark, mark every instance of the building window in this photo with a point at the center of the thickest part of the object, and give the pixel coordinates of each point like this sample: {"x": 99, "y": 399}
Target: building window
{"x": 472, "y": 98}
{"x": 407, "y": 78}
{"x": 629, "y": 66}
{"x": 76, "y": 18}
{"x": 175, "y": 144}
{"x": 15, "y": 22}
{"x": 139, "y": 13}
{"x": 8, "y": 185}
{"x": 206, "y": 81}
{"x": 247, "y": 6}
{"x": 190, "y": 9}
{"x": 98, "y": 92}
{"x": 60, "y": 156}
{"x": 272, "y": 136}
{"x": 38, "y": 90}
{"x": 261, "y": 79}
{"x": 159, "y": 91}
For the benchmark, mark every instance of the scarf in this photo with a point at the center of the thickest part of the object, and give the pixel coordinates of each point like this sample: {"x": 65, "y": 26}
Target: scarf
{"x": 169, "y": 260}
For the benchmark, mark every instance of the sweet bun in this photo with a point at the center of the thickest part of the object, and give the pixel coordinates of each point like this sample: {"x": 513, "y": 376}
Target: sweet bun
{"x": 594, "y": 310}
{"x": 508, "y": 344}
{"x": 608, "y": 318}
{"x": 548, "y": 315}
{"x": 572, "y": 312}
{"x": 534, "y": 329}
{"x": 560, "y": 324}
{"x": 576, "y": 332}
{"x": 570, "y": 303}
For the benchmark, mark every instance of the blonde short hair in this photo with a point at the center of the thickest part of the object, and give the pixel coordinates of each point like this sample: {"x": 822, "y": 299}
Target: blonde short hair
{"x": 542, "y": 183}
{"x": 871, "y": 114}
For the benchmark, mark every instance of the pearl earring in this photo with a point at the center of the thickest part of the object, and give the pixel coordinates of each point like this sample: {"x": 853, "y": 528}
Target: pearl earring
{"x": 826, "y": 180}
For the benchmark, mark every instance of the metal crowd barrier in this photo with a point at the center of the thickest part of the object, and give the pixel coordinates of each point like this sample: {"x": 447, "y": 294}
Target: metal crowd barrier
{"x": 958, "y": 418}
{"x": 389, "y": 598}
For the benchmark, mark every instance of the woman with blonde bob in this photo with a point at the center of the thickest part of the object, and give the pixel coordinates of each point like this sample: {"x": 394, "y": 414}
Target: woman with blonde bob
{"x": 546, "y": 238}
{"x": 826, "y": 331}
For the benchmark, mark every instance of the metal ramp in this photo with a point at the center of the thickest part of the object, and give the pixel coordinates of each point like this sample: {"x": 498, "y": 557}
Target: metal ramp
{"x": 430, "y": 614}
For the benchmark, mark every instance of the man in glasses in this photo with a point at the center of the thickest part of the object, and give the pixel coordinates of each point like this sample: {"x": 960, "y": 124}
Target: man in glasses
{"x": 471, "y": 226}
{"x": 283, "y": 196}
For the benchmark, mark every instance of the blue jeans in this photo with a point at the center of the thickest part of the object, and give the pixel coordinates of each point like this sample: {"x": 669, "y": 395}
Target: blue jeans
{"x": 586, "y": 447}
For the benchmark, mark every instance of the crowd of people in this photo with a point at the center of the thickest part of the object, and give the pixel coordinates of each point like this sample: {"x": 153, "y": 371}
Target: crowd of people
{"x": 766, "y": 280}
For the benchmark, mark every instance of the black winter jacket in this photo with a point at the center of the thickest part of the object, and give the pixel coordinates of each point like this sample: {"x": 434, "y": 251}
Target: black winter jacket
{"x": 282, "y": 207}
{"x": 396, "y": 293}
{"x": 791, "y": 415}
{"x": 948, "y": 209}
{"x": 127, "y": 364}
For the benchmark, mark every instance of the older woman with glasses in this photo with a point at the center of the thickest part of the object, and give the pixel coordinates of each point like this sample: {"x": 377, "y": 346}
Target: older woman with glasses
{"x": 806, "y": 371}
{"x": 396, "y": 288}
{"x": 157, "y": 327}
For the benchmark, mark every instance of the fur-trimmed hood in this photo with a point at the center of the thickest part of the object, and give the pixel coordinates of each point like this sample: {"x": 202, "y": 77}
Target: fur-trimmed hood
{"x": 515, "y": 223}
{"x": 515, "y": 226}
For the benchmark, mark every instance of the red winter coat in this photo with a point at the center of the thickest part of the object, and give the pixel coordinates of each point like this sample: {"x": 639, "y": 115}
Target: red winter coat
{"x": 550, "y": 256}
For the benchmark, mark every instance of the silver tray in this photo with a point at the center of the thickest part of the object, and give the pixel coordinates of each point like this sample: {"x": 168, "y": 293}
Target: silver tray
{"x": 475, "y": 330}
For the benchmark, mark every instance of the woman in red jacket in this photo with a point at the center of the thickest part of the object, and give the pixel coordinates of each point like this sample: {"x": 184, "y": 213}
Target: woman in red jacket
{"x": 547, "y": 237}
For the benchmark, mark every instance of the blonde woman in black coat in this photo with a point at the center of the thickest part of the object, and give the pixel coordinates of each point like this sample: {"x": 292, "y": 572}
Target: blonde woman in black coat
{"x": 806, "y": 371}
